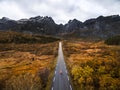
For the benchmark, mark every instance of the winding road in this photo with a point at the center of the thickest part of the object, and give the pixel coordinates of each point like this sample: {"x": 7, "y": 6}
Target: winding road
{"x": 61, "y": 79}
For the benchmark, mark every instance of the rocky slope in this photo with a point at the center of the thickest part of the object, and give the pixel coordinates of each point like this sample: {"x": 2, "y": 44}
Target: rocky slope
{"x": 101, "y": 27}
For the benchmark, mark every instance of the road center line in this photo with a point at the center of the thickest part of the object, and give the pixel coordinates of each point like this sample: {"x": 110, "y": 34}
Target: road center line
{"x": 70, "y": 87}
{"x": 52, "y": 88}
{"x": 68, "y": 78}
{"x": 66, "y": 71}
{"x": 54, "y": 79}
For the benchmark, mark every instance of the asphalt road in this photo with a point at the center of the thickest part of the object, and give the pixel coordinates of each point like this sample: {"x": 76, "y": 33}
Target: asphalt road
{"x": 61, "y": 80}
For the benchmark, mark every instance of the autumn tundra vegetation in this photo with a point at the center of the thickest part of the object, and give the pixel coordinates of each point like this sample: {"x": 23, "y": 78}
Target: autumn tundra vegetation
{"x": 93, "y": 65}
{"x": 27, "y": 61}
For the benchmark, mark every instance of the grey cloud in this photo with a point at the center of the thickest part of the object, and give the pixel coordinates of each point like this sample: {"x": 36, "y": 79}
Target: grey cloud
{"x": 60, "y": 10}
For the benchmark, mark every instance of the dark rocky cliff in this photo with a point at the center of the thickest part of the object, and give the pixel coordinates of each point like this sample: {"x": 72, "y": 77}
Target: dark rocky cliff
{"x": 101, "y": 27}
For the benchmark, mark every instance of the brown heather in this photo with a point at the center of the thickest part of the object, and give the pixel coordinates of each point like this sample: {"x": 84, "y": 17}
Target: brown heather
{"x": 93, "y": 65}
{"x": 26, "y": 66}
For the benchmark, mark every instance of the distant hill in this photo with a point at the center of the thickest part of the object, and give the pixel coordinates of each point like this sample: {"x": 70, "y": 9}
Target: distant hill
{"x": 101, "y": 27}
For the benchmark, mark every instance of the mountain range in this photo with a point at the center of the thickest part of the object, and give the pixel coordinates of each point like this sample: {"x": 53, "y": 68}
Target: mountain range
{"x": 101, "y": 27}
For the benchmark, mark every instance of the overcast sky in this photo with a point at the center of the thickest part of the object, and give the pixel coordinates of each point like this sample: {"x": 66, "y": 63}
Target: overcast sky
{"x": 60, "y": 10}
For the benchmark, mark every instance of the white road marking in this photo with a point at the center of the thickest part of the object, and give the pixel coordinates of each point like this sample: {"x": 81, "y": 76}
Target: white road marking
{"x": 52, "y": 88}
{"x": 70, "y": 87}
{"x": 66, "y": 71}
{"x": 68, "y": 78}
{"x": 55, "y": 72}
{"x": 54, "y": 79}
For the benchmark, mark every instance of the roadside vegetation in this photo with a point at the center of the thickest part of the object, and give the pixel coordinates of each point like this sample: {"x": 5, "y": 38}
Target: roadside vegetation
{"x": 115, "y": 40}
{"x": 93, "y": 65}
{"x": 18, "y": 38}
{"x": 26, "y": 64}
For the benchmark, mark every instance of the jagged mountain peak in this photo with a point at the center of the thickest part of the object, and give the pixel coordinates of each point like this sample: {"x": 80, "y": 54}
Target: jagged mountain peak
{"x": 22, "y": 21}
{"x": 109, "y": 18}
{"x": 5, "y": 18}
{"x": 36, "y": 18}
{"x": 103, "y": 26}
{"x": 41, "y": 19}
{"x": 74, "y": 21}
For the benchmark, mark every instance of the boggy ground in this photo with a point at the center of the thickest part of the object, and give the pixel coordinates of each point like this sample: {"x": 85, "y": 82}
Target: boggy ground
{"x": 93, "y": 65}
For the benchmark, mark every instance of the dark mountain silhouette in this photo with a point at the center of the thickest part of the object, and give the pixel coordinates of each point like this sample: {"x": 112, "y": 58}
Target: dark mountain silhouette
{"x": 6, "y": 23}
{"x": 101, "y": 27}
